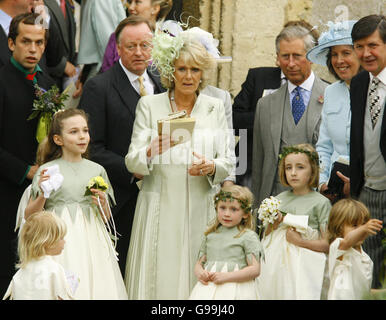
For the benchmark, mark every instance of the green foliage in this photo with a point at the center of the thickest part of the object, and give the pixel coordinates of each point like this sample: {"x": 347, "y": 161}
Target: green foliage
{"x": 48, "y": 101}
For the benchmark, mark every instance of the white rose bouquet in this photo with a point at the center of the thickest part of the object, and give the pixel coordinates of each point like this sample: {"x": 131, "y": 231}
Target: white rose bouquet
{"x": 269, "y": 211}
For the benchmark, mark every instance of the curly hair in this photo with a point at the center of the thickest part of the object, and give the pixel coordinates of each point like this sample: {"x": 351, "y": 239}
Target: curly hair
{"x": 193, "y": 53}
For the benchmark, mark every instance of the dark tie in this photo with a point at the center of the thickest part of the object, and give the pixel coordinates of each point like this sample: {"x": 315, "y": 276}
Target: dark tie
{"x": 374, "y": 103}
{"x": 298, "y": 106}
{"x": 63, "y": 7}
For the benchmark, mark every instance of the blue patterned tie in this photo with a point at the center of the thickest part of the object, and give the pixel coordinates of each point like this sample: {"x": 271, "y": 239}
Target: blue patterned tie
{"x": 298, "y": 106}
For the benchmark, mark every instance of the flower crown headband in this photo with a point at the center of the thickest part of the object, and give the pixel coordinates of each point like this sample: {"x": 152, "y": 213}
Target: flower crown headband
{"x": 168, "y": 40}
{"x": 288, "y": 150}
{"x": 225, "y": 195}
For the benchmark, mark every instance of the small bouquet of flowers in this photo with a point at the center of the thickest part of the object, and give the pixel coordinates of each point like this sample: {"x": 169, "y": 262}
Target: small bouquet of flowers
{"x": 99, "y": 183}
{"x": 96, "y": 183}
{"x": 47, "y": 103}
{"x": 269, "y": 211}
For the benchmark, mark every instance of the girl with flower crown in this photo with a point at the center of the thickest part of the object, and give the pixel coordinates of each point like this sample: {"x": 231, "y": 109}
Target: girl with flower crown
{"x": 89, "y": 251}
{"x": 295, "y": 245}
{"x": 229, "y": 257}
{"x": 180, "y": 176}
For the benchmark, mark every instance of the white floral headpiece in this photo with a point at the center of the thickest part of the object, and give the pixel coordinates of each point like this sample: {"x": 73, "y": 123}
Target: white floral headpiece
{"x": 168, "y": 40}
{"x": 205, "y": 38}
{"x": 166, "y": 48}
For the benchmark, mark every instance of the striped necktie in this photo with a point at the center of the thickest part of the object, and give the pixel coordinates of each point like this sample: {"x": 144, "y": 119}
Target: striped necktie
{"x": 374, "y": 103}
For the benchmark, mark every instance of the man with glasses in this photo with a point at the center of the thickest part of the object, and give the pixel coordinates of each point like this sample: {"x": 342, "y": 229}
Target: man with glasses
{"x": 110, "y": 99}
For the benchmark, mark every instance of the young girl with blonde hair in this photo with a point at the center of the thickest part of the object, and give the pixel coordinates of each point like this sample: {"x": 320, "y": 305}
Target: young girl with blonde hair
{"x": 229, "y": 257}
{"x": 350, "y": 268}
{"x": 89, "y": 251}
{"x": 296, "y": 245}
{"x": 39, "y": 276}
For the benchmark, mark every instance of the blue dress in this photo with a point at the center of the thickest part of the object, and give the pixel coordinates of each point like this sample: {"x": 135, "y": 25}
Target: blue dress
{"x": 334, "y": 132}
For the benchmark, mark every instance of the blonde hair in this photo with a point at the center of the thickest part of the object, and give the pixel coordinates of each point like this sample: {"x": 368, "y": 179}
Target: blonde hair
{"x": 313, "y": 159}
{"x": 48, "y": 149}
{"x": 195, "y": 54}
{"x": 345, "y": 212}
{"x": 41, "y": 231}
{"x": 242, "y": 195}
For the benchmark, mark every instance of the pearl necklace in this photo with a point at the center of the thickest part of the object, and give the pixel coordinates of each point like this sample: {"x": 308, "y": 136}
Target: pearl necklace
{"x": 173, "y": 101}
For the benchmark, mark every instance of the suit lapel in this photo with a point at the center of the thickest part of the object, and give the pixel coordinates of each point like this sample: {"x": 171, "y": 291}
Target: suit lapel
{"x": 362, "y": 103}
{"x": 124, "y": 88}
{"x": 58, "y": 16}
{"x": 314, "y": 108}
{"x": 276, "y": 109}
{"x": 155, "y": 77}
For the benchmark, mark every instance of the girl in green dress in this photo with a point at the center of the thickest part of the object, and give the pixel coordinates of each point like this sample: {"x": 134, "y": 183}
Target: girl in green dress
{"x": 89, "y": 252}
{"x": 229, "y": 257}
{"x": 296, "y": 245}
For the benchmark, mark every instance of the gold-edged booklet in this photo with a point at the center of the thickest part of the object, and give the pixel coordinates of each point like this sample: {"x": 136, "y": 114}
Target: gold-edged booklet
{"x": 178, "y": 126}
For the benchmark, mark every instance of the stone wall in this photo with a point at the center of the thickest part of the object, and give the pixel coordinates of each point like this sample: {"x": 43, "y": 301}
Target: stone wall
{"x": 247, "y": 28}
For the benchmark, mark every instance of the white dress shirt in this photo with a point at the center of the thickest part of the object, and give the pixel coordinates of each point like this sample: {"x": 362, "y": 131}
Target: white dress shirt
{"x": 305, "y": 88}
{"x": 5, "y": 21}
{"x": 133, "y": 78}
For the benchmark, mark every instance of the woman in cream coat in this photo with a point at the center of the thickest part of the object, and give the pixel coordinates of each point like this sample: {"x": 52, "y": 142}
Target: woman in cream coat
{"x": 175, "y": 203}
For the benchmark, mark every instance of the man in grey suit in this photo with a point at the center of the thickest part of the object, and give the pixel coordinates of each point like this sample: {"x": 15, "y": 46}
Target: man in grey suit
{"x": 291, "y": 115}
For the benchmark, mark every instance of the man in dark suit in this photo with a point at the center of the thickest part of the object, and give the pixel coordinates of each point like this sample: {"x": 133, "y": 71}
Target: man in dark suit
{"x": 18, "y": 143}
{"x": 110, "y": 99}
{"x": 62, "y": 19}
{"x": 244, "y": 107}
{"x": 368, "y": 130}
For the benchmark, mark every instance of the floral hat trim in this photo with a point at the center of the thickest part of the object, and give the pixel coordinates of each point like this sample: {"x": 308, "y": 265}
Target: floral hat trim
{"x": 168, "y": 40}
{"x": 288, "y": 150}
{"x": 166, "y": 49}
{"x": 339, "y": 33}
{"x": 225, "y": 195}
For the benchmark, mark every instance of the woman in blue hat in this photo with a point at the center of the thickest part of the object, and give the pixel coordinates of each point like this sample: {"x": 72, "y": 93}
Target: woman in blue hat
{"x": 335, "y": 50}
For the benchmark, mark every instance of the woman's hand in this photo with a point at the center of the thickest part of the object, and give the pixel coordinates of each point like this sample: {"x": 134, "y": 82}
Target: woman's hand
{"x": 202, "y": 167}
{"x": 159, "y": 145}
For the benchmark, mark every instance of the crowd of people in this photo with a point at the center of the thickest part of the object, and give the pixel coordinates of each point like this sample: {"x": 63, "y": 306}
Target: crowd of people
{"x": 114, "y": 204}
